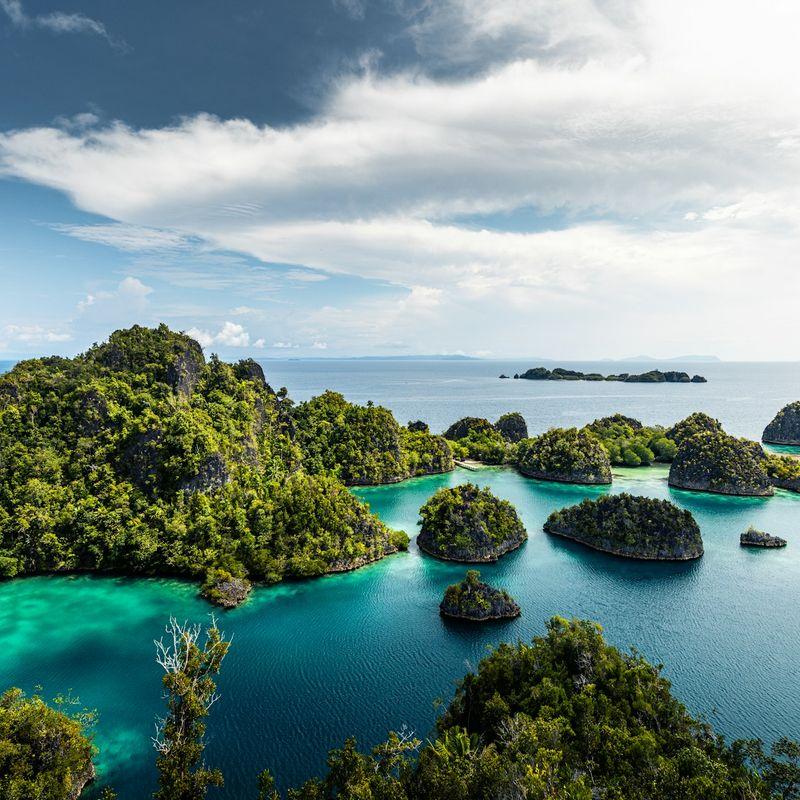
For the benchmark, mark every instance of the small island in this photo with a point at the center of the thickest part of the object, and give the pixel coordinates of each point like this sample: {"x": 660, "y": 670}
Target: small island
{"x": 224, "y": 589}
{"x": 469, "y": 524}
{"x": 565, "y": 456}
{"x": 476, "y": 601}
{"x": 512, "y": 427}
{"x": 477, "y": 439}
{"x": 632, "y": 527}
{"x": 721, "y": 464}
{"x": 785, "y": 428}
{"x": 698, "y": 422}
{"x": 651, "y": 376}
{"x": 755, "y": 538}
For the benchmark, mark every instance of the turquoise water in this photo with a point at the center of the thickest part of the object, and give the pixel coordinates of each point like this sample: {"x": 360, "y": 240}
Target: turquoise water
{"x": 315, "y": 661}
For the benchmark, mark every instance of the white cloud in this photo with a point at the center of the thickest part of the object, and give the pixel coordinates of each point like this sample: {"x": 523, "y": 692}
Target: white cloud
{"x": 665, "y": 138}
{"x": 32, "y": 334}
{"x": 131, "y": 238}
{"x": 284, "y": 345}
{"x": 231, "y": 334}
{"x": 319, "y": 346}
{"x": 57, "y": 22}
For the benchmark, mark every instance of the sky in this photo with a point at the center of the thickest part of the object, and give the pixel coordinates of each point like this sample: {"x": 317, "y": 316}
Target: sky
{"x": 574, "y": 179}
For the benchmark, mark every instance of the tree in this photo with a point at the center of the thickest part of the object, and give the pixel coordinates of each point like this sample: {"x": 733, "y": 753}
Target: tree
{"x": 190, "y": 666}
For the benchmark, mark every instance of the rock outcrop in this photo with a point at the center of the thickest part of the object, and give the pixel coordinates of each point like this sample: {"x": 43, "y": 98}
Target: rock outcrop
{"x": 632, "y": 527}
{"x": 468, "y": 524}
{"x": 754, "y": 538}
{"x": 512, "y": 427}
{"x": 418, "y": 426}
{"x": 212, "y": 474}
{"x": 721, "y": 464}
{"x": 224, "y": 589}
{"x": 785, "y": 428}
{"x": 566, "y": 456}
{"x": 476, "y": 601}
{"x": 467, "y": 425}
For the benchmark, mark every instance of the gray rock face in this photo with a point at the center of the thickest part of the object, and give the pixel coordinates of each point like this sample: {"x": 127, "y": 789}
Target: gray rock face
{"x": 184, "y": 373}
{"x": 141, "y": 459}
{"x": 754, "y": 538}
{"x": 212, "y": 474}
{"x": 785, "y": 428}
{"x": 512, "y": 427}
{"x": 92, "y": 415}
{"x": 698, "y": 379}
{"x": 249, "y": 369}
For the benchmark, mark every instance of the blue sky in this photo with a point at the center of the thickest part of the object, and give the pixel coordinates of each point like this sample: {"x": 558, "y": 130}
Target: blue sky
{"x": 570, "y": 178}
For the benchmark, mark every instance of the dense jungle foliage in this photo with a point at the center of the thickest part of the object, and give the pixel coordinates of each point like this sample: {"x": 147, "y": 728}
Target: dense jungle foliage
{"x": 466, "y": 523}
{"x": 638, "y": 527}
{"x": 139, "y": 456}
{"x": 630, "y": 443}
{"x": 564, "y": 454}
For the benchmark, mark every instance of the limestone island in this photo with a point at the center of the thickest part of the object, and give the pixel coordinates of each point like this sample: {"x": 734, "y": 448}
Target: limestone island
{"x": 755, "y": 538}
{"x": 477, "y": 439}
{"x": 652, "y": 376}
{"x": 476, "y": 601}
{"x": 722, "y": 464}
{"x": 469, "y": 524}
{"x": 783, "y": 471}
{"x": 566, "y": 456}
{"x": 631, "y": 527}
{"x": 785, "y": 428}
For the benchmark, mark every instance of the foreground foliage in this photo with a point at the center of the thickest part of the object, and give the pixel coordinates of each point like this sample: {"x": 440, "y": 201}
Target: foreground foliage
{"x": 45, "y": 752}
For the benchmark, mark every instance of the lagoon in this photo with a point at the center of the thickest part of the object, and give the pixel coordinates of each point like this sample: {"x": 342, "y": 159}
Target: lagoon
{"x": 315, "y": 661}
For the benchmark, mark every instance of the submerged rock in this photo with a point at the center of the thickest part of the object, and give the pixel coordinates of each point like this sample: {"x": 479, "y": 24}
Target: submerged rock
{"x": 785, "y": 428}
{"x": 721, "y": 464}
{"x": 465, "y": 523}
{"x": 755, "y": 538}
{"x": 632, "y": 527}
{"x": 566, "y": 456}
{"x": 473, "y": 600}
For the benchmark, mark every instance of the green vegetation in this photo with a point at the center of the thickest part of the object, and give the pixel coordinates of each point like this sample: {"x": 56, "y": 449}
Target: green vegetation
{"x": 190, "y": 668}
{"x": 477, "y": 439}
{"x": 785, "y": 427}
{"x": 636, "y": 527}
{"x": 783, "y": 471}
{"x": 567, "y": 717}
{"x": 512, "y": 427}
{"x": 698, "y": 422}
{"x": 466, "y": 523}
{"x": 716, "y": 462}
{"x": 630, "y": 443}
{"x": 140, "y": 457}
{"x": 45, "y": 752}
{"x": 364, "y": 445}
{"x": 565, "y": 455}
{"x": 473, "y": 600}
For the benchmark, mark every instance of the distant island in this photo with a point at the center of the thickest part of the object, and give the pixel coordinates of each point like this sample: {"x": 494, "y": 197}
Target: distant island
{"x": 652, "y": 376}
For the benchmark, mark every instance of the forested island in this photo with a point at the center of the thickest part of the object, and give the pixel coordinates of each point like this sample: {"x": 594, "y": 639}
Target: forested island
{"x": 469, "y": 524}
{"x": 565, "y": 455}
{"x": 652, "y": 376}
{"x": 633, "y": 527}
{"x": 473, "y": 600}
{"x": 785, "y": 427}
{"x": 141, "y": 457}
{"x": 565, "y": 716}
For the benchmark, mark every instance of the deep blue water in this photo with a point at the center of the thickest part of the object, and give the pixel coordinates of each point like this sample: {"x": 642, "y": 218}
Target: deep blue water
{"x": 315, "y": 661}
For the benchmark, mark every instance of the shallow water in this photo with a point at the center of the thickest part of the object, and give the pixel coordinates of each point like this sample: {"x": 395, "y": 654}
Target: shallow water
{"x": 360, "y": 653}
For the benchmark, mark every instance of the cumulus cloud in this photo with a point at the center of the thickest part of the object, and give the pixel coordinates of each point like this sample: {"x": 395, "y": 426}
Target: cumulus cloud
{"x": 665, "y": 139}
{"x": 231, "y": 334}
{"x": 31, "y": 334}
